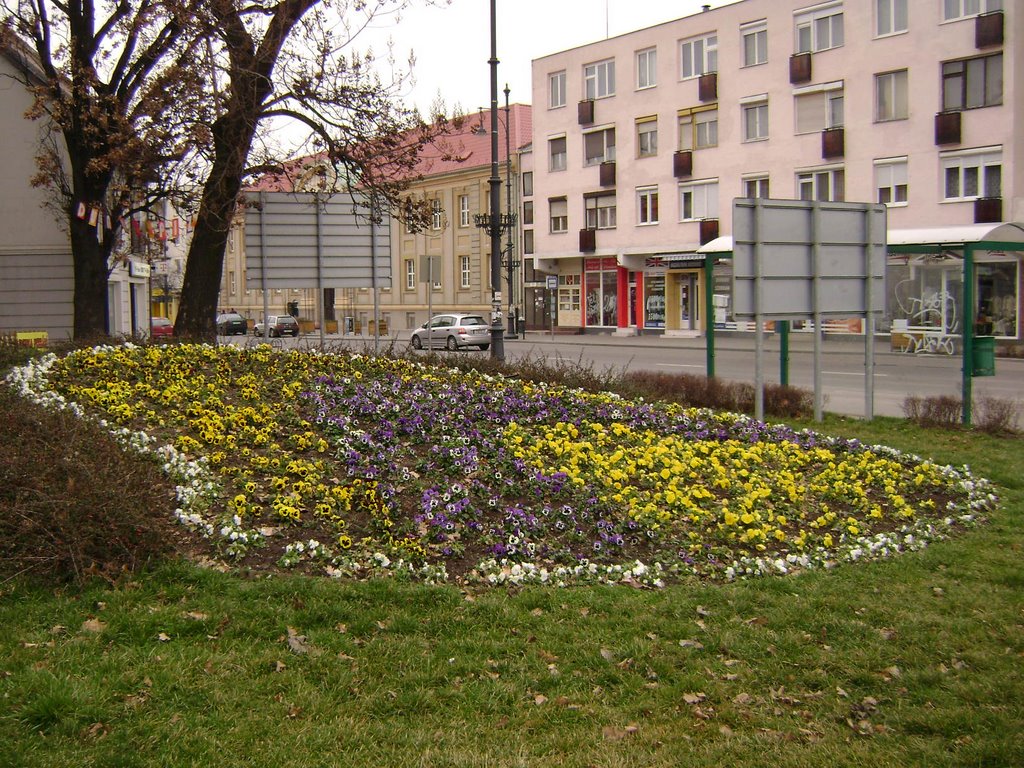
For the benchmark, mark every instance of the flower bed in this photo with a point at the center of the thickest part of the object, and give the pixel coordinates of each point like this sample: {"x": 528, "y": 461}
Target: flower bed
{"x": 363, "y": 465}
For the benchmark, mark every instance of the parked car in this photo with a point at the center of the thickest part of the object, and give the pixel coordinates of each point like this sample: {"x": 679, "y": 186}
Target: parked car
{"x": 279, "y": 325}
{"x": 231, "y": 324}
{"x": 453, "y": 332}
{"x": 160, "y": 327}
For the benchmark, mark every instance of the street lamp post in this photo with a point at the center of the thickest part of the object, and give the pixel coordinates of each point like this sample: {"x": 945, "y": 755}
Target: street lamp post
{"x": 510, "y": 260}
{"x": 492, "y": 222}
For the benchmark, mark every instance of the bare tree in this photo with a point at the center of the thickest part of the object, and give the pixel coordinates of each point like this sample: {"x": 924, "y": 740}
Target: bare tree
{"x": 293, "y": 63}
{"x": 118, "y": 111}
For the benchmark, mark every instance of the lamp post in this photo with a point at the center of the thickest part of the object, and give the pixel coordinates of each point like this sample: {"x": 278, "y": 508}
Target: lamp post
{"x": 492, "y": 222}
{"x": 510, "y": 260}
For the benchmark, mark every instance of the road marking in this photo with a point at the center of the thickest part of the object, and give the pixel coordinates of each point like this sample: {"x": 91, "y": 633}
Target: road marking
{"x": 854, "y": 373}
{"x": 678, "y": 365}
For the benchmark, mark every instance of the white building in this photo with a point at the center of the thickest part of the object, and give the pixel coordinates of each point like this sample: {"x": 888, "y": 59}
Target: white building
{"x": 641, "y": 142}
{"x": 36, "y": 269}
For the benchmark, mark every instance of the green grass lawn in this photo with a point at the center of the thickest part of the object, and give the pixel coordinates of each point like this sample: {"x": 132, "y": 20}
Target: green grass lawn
{"x": 911, "y": 661}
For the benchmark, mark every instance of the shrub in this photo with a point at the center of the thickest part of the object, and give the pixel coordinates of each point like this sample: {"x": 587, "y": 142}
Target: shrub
{"x": 74, "y": 503}
{"x": 997, "y": 416}
{"x": 934, "y": 411}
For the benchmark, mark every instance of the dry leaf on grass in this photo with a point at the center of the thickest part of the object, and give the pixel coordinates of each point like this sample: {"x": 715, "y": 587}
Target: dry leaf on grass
{"x": 296, "y": 642}
{"x": 615, "y": 733}
{"x": 93, "y": 625}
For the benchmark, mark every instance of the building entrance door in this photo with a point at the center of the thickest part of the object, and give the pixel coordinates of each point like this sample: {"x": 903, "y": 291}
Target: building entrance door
{"x": 688, "y": 302}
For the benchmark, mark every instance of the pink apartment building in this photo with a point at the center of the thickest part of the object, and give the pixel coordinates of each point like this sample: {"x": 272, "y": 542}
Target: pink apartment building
{"x": 642, "y": 141}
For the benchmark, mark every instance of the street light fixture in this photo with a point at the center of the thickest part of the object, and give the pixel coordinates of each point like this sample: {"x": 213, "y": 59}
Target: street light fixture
{"x": 508, "y": 221}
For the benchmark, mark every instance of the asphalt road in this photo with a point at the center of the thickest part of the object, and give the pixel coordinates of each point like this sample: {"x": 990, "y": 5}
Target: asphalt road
{"x": 896, "y": 375}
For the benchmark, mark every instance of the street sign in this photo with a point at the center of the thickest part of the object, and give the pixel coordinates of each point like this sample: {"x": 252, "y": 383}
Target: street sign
{"x": 552, "y": 282}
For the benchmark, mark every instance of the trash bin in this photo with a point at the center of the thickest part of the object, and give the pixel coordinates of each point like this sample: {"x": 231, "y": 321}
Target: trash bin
{"x": 984, "y": 353}
{"x": 350, "y": 326}
{"x": 521, "y": 326}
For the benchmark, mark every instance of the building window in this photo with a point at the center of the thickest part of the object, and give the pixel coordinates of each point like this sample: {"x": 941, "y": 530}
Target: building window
{"x": 556, "y": 153}
{"x": 600, "y": 211}
{"x": 436, "y": 213}
{"x": 819, "y": 107}
{"x": 756, "y": 186}
{"x": 559, "y": 214}
{"x": 463, "y": 210}
{"x": 824, "y": 184}
{"x": 972, "y": 83}
{"x": 755, "y": 43}
{"x": 890, "y": 17}
{"x": 698, "y": 201}
{"x": 891, "y": 180}
{"x": 647, "y": 137}
{"x": 698, "y": 56}
{"x": 527, "y": 241}
{"x": 528, "y": 212}
{"x": 961, "y": 9}
{"x": 599, "y": 79}
{"x": 755, "y": 119}
{"x": 556, "y": 90}
{"x": 970, "y": 175}
{"x": 464, "y": 271}
{"x": 698, "y": 129}
{"x": 891, "y": 96}
{"x": 410, "y": 274}
{"x": 820, "y": 30}
{"x": 599, "y": 146}
{"x": 647, "y": 68}
{"x": 647, "y": 205}
{"x": 528, "y": 184}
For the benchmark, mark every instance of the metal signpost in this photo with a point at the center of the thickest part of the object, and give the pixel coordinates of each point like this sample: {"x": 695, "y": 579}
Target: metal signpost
{"x": 806, "y": 260}
{"x": 298, "y": 240}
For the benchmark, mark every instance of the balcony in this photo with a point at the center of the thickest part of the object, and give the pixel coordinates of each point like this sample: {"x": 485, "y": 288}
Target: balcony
{"x": 708, "y": 230}
{"x": 707, "y": 87}
{"x": 988, "y": 29}
{"x": 833, "y": 143}
{"x": 947, "y": 128}
{"x": 800, "y": 68}
{"x": 682, "y": 163}
{"x": 988, "y": 210}
{"x": 607, "y": 174}
{"x": 588, "y": 240}
{"x": 585, "y": 112}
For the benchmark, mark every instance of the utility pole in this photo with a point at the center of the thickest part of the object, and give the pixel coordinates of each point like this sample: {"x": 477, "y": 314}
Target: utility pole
{"x": 509, "y": 222}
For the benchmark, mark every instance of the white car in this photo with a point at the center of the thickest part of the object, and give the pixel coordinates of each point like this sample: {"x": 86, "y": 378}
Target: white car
{"x": 453, "y": 332}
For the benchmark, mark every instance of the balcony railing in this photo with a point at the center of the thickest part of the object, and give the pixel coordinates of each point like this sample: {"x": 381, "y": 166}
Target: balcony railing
{"x": 708, "y": 230}
{"x": 707, "y": 87}
{"x": 585, "y": 112}
{"x": 800, "y": 68}
{"x": 682, "y": 163}
{"x": 988, "y": 210}
{"x": 833, "y": 143}
{"x": 947, "y": 128}
{"x": 607, "y": 174}
{"x": 988, "y": 29}
{"x": 588, "y": 240}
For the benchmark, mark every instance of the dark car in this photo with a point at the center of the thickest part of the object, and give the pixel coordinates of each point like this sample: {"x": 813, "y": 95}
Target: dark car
{"x": 279, "y": 325}
{"x": 231, "y": 324}
{"x": 160, "y": 328}
{"x": 453, "y": 332}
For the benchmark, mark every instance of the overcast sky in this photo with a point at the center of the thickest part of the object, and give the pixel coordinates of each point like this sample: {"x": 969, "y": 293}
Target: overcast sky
{"x": 452, "y": 44}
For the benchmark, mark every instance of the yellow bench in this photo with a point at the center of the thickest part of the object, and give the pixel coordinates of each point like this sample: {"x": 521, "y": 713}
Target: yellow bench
{"x": 32, "y": 338}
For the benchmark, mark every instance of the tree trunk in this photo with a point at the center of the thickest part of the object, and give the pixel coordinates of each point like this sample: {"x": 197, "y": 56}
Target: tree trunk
{"x": 205, "y": 264}
{"x": 89, "y": 258}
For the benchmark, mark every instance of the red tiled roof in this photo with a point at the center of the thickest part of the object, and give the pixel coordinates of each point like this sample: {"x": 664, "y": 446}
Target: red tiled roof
{"x": 460, "y": 149}
{"x": 474, "y": 149}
